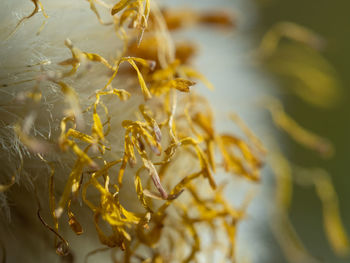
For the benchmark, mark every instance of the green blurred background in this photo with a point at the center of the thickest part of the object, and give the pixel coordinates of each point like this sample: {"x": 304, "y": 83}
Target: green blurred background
{"x": 331, "y": 20}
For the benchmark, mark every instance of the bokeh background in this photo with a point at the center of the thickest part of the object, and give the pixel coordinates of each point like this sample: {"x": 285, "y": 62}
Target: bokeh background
{"x": 331, "y": 20}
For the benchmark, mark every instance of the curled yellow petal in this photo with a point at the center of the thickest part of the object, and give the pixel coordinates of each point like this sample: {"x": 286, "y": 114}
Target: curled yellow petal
{"x": 119, "y": 6}
{"x": 298, "y": 133}
{"x": 5, "y": 187}
{"x": 72, "y": 221}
